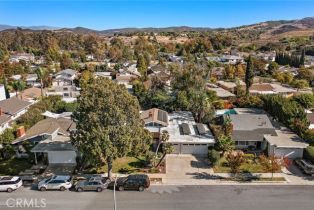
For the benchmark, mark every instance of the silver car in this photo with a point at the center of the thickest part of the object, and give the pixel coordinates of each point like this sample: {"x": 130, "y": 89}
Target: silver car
{"x": 10, "y": 183}
{"x": 55, "y": 183}
{"x": 91, "y": 185}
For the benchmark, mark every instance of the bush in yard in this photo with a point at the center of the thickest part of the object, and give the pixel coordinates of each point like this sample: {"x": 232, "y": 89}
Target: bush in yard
{"x": 309, "y": 153}
{"x": 225, "y": 143}
{"x": 273, "y": 163}
{"x": 213, "y": 156}
{"x": 235, "y": 159}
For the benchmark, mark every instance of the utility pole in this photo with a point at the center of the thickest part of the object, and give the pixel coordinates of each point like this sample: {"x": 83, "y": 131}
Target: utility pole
{"x": 114, "y": 194}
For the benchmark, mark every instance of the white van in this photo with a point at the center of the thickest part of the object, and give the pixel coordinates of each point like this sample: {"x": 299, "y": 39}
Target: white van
{"x": 10, "y": 183}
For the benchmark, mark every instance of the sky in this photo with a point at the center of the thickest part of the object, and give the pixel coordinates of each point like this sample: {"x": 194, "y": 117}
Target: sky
{"x": 109, "y": 14}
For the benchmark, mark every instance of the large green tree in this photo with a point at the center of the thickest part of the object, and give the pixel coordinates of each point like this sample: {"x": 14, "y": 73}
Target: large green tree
{"x": 249, "y": 74}
{"x": 108, "y": 124}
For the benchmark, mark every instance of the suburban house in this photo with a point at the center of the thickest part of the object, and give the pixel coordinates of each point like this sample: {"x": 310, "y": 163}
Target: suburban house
{"x": 105, "y": 74}
{"x": 32, "y": 80}
{"x": 154, "y": 119}
{"x": 63, "y": 85}
{"x": 125, "y": 78}
{"x": 231, "y": 59}
{"x": 285, "y": 144}
{"x": 29, "y": 58}
{"x": 187, "y": 136}
{"x": 249, "y": 130}
{"x": 221, "y": 93}
{"x": 271, "y": 88}
{"x": 11, "y": 109}
{"x": 51, "y": 138}
{"x": 2, "y": 93}
{"x": 31, "y": 94}
{"x": 253, "y": 130}
{"x": 229, "y": 86}
{"x": 175, "y": 59}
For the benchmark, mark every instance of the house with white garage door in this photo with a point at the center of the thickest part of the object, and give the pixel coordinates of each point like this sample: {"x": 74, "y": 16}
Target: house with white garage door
{"x": 51, "y": 140}
{"x": 286, "y": 144}
{"x": 187, "y": 136}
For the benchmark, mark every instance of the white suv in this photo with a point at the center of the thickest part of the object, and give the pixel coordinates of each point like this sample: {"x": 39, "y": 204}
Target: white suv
{"x": 10, "y": 183}
{"x": 55, "y": 183}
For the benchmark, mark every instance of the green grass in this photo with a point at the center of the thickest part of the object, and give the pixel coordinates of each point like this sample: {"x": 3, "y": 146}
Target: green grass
{"x": 14, "y": 166}
{"x": 123, "y": 165}
{"x": 248, "y": 167}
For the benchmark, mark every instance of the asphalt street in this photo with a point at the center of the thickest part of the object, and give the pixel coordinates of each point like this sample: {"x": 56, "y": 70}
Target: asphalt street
{"x": 168, "y": 197}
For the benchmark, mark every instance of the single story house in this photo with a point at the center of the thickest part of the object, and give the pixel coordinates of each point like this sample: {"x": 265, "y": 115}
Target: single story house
{"x": 30, "y": 94}
{"x": 286, "y": 145}
{"x": 32, "y": 80}
{"x": 221, "y": 93}
{"x": 249, "y": 130}
{"x": 187, "y": 136}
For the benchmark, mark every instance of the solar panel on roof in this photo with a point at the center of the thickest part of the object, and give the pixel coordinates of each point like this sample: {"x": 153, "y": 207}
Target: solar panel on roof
{"x": 185, "y": 129}
{"x": 201, "y": 128}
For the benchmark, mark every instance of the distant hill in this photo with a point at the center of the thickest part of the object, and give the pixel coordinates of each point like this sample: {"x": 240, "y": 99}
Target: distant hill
{"x": 267, "y": 29}
{"x": 35, "y": 28}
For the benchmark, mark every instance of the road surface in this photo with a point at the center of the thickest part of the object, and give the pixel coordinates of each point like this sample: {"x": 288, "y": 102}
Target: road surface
{"x": 168, "y": 197}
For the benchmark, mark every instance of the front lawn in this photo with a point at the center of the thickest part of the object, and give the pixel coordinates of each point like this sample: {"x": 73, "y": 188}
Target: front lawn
{"x": 14, "y": 166}
{"x": 250, "y": 166}
{"x": 124, "y": 165}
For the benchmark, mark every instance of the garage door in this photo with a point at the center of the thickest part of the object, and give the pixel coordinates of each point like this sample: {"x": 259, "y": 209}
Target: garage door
{"x": 291, "y": 153}
{"x": 62, "y": 157}
{"x": 176, "y": 148}
{"x": 195, "y": 149}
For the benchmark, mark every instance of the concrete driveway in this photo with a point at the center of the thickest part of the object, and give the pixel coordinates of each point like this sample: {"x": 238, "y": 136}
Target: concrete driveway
{"x": 186, "y": 168}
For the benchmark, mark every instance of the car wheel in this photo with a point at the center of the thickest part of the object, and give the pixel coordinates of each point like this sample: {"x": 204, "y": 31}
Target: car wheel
{"x": 9, "y": 190}
{"x": 121, "y": 188}
{"x": 43, "y": 189}
{"x": 141, "y": 189}
{"x": 62, "y": 188}
{"x": 79, "y": 189}
{"x": 99, "y": 189}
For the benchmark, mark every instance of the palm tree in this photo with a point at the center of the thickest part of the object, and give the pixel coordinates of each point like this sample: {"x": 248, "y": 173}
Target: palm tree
{"x": 164, "y": 138}
{"x": 18, "y": 86}
{"x": 41, "y": 73}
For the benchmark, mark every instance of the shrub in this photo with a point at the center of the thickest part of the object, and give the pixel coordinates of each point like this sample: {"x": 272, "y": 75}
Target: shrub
{"x": 213, "y": 156}
{"x": 309, "y": 153}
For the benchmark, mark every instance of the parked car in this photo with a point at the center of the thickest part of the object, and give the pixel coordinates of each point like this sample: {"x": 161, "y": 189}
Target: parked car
{"x": 133, "y": 182}
{"x": 305, "y": 166}
{"x": 10, "y": 183}
{"x": 91, "y": 185}
{"x": 55, "y": 183}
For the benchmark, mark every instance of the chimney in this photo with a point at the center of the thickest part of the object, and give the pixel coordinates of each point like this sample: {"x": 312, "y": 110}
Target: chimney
{"x": 150, "y": 114}
{"x": 1, "y": 112}
{"x": 20, "y": 132}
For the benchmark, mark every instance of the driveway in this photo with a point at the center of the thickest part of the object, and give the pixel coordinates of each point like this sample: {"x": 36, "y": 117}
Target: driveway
{"x": 186, "y": 168}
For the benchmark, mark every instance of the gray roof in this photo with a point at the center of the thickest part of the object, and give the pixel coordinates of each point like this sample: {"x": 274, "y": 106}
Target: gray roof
{"x": 48, "y": 127}
{"x": 251, "y": 127}
{"x": 286, "y": 139}
{"x": 53, "y": 146}
{"x": 13, "y": 105}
